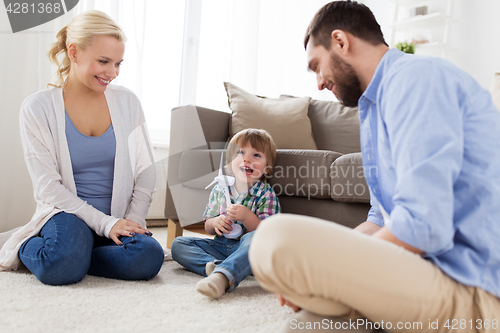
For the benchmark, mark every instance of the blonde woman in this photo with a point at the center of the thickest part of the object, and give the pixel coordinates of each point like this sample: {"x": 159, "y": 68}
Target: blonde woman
{"x": 88, "y": 153}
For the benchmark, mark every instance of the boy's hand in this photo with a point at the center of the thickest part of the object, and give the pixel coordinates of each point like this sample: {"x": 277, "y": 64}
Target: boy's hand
{"x": 222, "y": 224}
{"x": 238, "y": 212}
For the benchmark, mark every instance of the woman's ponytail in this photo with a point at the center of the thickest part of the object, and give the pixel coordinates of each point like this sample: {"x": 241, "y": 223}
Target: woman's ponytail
{"x": 59, "y": 47}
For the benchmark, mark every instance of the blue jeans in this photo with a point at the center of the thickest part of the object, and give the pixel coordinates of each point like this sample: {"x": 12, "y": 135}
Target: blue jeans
{"x": 67, "y": 249}
{"x": 230, "y": 256}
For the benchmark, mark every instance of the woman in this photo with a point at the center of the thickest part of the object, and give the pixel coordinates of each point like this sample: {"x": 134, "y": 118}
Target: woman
{"x": 90, "y": 160}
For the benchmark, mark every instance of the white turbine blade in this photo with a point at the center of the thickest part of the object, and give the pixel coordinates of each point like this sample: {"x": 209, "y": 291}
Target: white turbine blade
{"x": 213, "y": 182}
{"x": 228, "y": 198}
{"x": 230, "y": 180}
{"x": 221, "y": 163}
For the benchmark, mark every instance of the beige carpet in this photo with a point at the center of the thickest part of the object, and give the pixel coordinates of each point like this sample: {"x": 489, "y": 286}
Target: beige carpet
{"x": 167, "y": 303}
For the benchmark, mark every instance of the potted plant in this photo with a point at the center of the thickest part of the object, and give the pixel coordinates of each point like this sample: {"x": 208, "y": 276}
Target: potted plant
{"x": 406, "y": 47}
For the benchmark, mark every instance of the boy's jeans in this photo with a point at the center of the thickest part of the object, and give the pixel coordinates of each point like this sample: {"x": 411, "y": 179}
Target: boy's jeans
{"x": 67, "y": 249}
{"x": 230, "y": 255}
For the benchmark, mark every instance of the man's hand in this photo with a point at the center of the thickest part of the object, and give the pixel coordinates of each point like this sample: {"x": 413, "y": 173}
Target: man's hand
{"x": 283, "y": 301}
{"x": 368, "y": 228}
{"x": 385, "y": 234}
{"x": 238, "y": 213}
{"x": 127, "y": 228}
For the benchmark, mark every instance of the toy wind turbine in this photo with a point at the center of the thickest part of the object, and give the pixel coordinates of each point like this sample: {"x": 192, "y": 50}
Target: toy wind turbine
{"x": 224, "y": 182}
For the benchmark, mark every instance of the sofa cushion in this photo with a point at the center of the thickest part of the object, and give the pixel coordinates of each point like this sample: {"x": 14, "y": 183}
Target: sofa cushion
{"x": 285, "y": 120}
{"x": 303, "y": 173}
{"x": 495, "y": 90}
{"x": 348, "y": 214}
{"x": 335, "y": 127}
{"x": 348, "y": 179}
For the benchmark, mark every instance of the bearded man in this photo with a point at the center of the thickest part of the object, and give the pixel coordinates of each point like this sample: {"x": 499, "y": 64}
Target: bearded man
{"x": 428, "y": 256}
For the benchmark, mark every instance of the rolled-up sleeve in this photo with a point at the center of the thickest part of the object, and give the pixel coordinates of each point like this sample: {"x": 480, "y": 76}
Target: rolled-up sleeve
{"x": 375, "y": 215}
{"x": 424, "y": 124}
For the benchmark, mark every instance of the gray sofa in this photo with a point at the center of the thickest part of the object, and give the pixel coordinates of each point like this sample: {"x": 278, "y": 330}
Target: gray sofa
{"x": 327, "y": 183}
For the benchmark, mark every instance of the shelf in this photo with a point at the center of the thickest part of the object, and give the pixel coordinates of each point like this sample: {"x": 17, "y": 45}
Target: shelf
{"x": 436, "y": 23}
{"x": 421, "y": 21}
{"x": 430, "y": 48}
{"x": 411, "y": 3}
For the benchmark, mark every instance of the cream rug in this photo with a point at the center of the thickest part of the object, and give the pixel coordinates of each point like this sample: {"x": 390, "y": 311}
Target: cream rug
{"x": 167, "y": 303}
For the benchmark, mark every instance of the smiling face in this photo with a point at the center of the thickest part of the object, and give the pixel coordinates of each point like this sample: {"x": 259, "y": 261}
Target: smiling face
{"x": 248, "y": 166}
{"x": 98, "y": 64}
{"x": 334, "y": 74}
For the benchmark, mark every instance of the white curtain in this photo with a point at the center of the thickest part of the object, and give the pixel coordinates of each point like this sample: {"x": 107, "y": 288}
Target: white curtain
{"x": 151, "y": 66}
{"x": 257, "y": 45}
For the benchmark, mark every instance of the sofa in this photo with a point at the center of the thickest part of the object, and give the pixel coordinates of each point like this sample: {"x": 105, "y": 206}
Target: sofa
{"x": 327, "y": 182}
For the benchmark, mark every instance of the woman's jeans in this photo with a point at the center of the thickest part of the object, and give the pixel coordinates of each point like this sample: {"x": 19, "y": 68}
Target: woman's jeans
{"x": 67, "y": 249}
{"x": 230, "y": 256}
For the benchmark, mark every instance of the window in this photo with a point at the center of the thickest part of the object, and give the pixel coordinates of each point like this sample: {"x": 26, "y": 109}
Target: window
{"x": 180, "y": 52}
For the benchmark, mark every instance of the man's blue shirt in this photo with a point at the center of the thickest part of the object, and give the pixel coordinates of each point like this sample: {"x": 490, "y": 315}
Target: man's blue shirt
{"x": 430, "y": 139}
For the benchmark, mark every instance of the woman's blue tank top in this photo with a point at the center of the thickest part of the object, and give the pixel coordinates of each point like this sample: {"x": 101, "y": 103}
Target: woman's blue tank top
{"x": 93, "y": 161}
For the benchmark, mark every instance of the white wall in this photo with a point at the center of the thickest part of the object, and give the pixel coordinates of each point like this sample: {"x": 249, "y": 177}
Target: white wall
{"x": 474, "y": 36}
{"x": 16, "y": 198}
{"x": 20, "y": 76}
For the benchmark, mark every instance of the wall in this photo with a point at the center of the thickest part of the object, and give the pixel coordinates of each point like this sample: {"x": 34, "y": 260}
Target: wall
{"x": 16, "y": 198}
{"x": 474, "y": 34}
{"x": 20, "y": 76}
{"x": 475, "y": 38}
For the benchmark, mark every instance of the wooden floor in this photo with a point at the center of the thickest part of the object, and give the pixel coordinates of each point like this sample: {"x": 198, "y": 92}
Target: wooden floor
{"x": 175, "y": 230}
{"x": 197, "y": 228}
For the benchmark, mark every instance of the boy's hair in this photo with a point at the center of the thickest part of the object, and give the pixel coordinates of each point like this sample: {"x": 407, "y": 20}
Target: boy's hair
{"x": 259, "y": 140}
{"x": 348, "y": 16}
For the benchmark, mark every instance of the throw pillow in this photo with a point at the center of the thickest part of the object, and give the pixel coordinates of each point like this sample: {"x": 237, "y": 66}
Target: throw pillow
{"x": 286, "y": 120}
{"x": 495, "y": 90}
{"x": 335, "y": 127}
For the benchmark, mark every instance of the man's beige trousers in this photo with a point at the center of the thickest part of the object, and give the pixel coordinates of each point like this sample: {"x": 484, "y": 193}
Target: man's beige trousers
{"x": 331, "y": 270}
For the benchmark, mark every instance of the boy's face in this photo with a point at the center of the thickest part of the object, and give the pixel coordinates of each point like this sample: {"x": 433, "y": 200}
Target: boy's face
{"x": 248, "y": 165}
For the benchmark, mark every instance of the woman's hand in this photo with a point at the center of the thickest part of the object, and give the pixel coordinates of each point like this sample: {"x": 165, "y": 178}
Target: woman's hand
{"x": 238, "y": 213}
{"x": 222, "y": 224}
{"x": 283, "y": 301}
{"x": 127, "y": 228}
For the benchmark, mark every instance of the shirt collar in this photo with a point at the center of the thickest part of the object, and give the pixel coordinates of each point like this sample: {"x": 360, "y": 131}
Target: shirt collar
{"x": 255, "y": 190}
{"x": 389, "y": 57}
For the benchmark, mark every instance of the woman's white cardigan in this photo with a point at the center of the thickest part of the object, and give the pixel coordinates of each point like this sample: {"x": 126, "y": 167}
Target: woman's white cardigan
{"x": 46, "y": 152}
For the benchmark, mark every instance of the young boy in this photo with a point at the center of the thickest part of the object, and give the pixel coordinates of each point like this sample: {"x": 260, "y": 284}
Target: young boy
{"x": 250, "y": 158}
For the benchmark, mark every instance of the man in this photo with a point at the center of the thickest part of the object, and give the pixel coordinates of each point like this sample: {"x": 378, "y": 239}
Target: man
{"x": 428, "y": 257}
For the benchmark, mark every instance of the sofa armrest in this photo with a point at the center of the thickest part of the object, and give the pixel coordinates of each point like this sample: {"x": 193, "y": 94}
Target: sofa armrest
{"x": 192, "y": 127}
{"x": 215, "y": 125}
{"x": 348, "y": 179}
